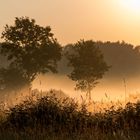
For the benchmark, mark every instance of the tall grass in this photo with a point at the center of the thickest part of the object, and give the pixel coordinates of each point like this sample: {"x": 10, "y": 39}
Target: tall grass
{"x": 48, "y": 117}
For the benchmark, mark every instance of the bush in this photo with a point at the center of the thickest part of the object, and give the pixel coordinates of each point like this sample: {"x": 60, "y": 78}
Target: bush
{"x": 51, "y": 116}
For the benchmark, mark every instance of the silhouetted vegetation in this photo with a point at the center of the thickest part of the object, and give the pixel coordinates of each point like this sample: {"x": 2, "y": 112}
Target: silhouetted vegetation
{"x": 88, "y": 65}
{"x": 49, "y": 116}
{"x": 12, "y": 79}
{"x": 123, "y": 58}
{"x": 30, "y": 48}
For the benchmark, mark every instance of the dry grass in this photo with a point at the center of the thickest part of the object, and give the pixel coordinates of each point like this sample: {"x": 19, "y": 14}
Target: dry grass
{"x": 49, "y": 118}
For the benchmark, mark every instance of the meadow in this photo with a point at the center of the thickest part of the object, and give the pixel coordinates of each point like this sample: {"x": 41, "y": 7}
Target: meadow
{"x": 50, "y": 118}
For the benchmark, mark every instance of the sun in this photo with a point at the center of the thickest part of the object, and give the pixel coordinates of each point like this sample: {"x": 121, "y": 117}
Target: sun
{"x": 131, "y": 5}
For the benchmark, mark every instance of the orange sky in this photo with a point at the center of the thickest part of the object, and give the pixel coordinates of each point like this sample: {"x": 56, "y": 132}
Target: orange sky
{"x": 72, "y": 20}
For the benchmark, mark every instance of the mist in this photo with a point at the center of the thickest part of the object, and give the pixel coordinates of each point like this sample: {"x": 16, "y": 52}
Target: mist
{"x": 114, "y": 88}
{"x": 121, "y": 80}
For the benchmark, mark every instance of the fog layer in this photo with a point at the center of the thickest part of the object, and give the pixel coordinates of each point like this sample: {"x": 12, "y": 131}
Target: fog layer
{"x": 122, "y": 78}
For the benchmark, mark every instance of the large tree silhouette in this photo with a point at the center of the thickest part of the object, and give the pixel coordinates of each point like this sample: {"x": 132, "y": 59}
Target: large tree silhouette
{"x": 30, "y": 48}
{"x": 88, "y": 65}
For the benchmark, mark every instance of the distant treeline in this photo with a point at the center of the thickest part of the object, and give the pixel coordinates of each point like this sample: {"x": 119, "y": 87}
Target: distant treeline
{"x": 123, "y": 58}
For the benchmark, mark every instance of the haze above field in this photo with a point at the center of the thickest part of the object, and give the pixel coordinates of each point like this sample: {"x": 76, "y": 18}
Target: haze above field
{"x": 72, "y": 20}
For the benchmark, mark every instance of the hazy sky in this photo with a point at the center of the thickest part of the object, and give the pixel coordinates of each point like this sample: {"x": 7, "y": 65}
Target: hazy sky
{"x": 72, "y": 20}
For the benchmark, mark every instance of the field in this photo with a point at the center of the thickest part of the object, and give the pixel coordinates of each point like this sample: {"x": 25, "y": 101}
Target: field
{"x": 50, "y": 118}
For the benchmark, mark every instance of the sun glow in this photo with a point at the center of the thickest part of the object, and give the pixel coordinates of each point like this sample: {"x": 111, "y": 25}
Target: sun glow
{"x": 131, "y": 5}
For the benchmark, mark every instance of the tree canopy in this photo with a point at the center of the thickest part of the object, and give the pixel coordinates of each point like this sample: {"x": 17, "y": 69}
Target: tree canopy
{"x": 88, "y": 65}
{"x": 30, "y": 48}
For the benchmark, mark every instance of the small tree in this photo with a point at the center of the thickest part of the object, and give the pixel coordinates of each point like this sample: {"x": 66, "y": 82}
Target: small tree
{"x": 30, "y": 48}
{"x": 88, "y": 65}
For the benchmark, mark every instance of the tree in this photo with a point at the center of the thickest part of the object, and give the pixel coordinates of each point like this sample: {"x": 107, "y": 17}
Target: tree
{"x": 30, "y": 48}
{"x": 88, "y": 65}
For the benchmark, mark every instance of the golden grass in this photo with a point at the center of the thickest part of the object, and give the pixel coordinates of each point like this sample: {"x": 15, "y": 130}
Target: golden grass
{"x": 48, "y": 117}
